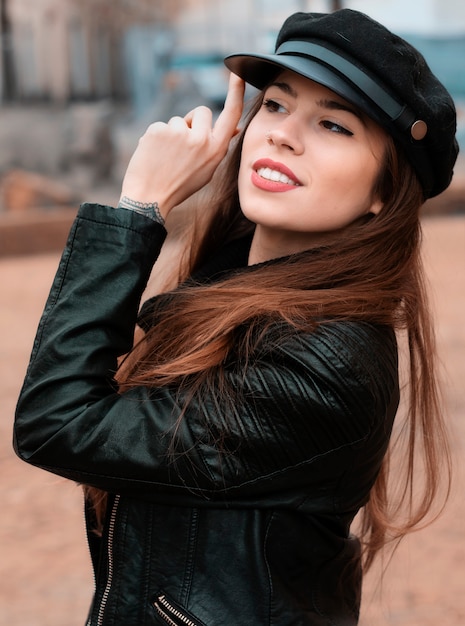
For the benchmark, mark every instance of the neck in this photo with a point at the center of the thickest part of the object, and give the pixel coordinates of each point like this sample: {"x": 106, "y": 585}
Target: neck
{"x": 270, "y": 244}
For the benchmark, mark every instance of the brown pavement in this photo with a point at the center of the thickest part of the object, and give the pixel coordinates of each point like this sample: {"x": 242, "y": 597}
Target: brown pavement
{"x": 45, "y": 575}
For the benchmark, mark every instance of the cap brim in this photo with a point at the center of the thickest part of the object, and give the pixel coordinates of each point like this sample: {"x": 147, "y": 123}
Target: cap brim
{"x": 260, "y": 70}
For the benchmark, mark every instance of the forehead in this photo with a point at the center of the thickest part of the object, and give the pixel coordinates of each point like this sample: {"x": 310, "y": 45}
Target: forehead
{"x": 302, "y": 87}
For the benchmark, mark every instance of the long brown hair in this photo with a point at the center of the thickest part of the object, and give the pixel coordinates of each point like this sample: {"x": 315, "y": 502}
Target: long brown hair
{"x": 372, "y": 271}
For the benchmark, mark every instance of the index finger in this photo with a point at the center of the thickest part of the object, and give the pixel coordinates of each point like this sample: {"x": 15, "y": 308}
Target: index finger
{"x": 226, "y": 124}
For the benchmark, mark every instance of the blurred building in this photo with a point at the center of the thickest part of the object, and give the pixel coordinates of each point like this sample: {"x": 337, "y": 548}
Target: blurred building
{"x": 229, "y": 24}
{"x": 429, "y": 18}
{"x": 61, "y": 50}
{"x": 161, "y": 58}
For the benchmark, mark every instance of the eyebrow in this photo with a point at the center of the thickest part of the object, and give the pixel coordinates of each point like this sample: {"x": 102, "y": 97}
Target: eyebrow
{"x": 325, "y": 103}
{"x": 286, "y": 88}
{"x": 334, "y": 105}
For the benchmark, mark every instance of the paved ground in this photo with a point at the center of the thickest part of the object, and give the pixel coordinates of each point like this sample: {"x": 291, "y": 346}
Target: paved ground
{"x": 45, "y": 576}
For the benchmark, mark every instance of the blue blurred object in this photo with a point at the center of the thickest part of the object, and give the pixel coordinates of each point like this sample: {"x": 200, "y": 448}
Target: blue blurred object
{"x": 446, "y": 57}
{"x": 204, "y": 72}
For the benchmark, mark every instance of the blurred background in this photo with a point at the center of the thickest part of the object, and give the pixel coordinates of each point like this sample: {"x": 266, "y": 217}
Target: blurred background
{"x": 79, "y": 82}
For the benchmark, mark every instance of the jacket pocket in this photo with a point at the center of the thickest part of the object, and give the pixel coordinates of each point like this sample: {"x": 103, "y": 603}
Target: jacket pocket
{"x": 172, "y": 614}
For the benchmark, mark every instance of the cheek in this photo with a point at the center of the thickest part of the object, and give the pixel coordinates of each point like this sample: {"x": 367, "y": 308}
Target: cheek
{"x": 347, "y": 189}
{"x": 248, "y": 142}
{"x": 359, "y": 174}
{"x": 242, "y": 180}
{"x": 246, "y": 162}
{"x": 370, "y": 172}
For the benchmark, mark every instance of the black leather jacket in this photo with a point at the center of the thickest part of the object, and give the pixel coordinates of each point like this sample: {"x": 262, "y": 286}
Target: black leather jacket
{"x": 254, "y": 535}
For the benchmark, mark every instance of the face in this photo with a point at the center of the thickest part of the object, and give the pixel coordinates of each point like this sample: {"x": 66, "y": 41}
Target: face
{"x": 309, "y": 163}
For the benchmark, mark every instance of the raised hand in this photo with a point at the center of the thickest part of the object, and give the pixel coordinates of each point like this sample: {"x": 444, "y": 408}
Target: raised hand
{"x": 174, "y": 160}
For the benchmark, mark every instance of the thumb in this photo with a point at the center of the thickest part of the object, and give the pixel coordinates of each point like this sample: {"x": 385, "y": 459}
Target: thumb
{"x": 226, "y": 125}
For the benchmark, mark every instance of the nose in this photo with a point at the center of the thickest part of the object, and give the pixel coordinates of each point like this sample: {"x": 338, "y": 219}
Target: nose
{"x": 287, "y": 135}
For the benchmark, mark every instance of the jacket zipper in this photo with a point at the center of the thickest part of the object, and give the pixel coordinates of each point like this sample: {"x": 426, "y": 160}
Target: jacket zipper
{"x": 111, "y": 533}
{"x": 170, "y": 613}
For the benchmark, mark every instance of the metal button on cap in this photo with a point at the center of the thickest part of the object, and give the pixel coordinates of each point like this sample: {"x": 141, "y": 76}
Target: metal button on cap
{"x": 419, "y": 129}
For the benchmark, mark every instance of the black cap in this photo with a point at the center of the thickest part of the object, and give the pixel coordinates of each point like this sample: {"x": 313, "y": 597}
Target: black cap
{"x": 374, "y": 69}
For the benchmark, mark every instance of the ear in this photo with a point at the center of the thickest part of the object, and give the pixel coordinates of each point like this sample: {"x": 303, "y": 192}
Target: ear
{"x": 376, "y": 206}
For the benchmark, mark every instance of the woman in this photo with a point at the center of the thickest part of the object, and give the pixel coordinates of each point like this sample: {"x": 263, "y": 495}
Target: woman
{"x": 225, "y": 466}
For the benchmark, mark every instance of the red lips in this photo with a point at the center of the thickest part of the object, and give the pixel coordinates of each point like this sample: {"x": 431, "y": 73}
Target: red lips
{"x": 280, "y": 167}
{"x": 273, "y": 185}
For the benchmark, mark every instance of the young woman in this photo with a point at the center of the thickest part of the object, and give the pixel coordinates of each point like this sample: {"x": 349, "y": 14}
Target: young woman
{"x": 225, "y": 461}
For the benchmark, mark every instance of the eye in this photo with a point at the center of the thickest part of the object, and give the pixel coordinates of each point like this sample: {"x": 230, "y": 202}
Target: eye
{"x": 336, "y": 128}
{"x": 273, "y": 107}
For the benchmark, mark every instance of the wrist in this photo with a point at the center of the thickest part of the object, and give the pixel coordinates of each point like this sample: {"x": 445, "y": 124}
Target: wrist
{"x": 148, "y": 209}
